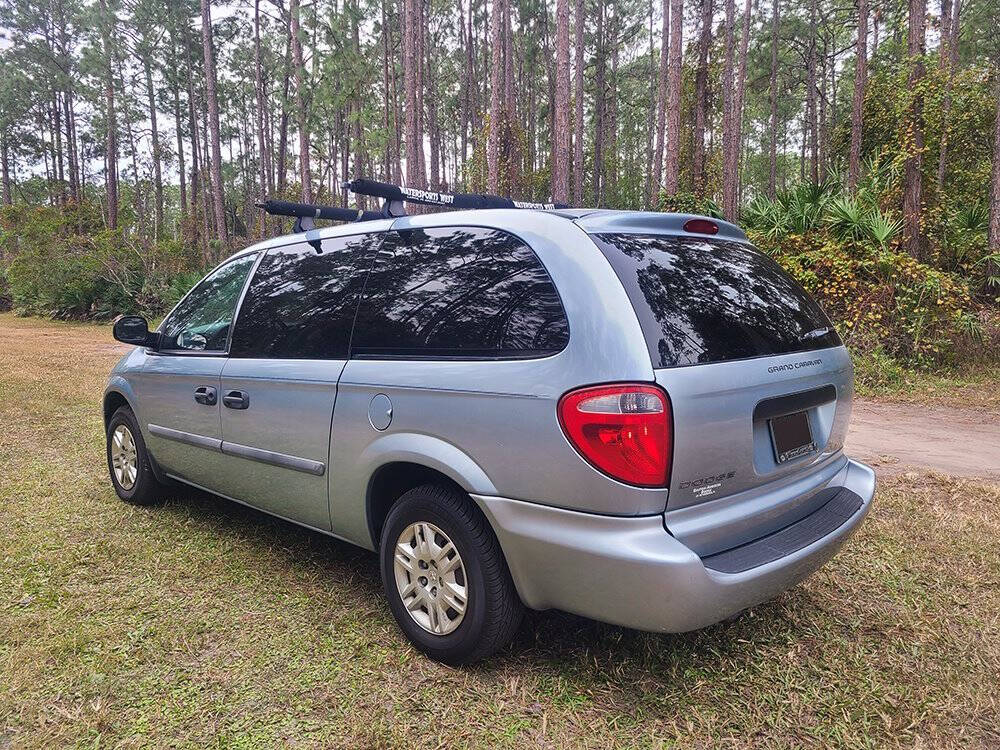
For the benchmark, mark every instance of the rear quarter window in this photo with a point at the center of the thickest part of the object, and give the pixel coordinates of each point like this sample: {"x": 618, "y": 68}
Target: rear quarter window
{"x": 465, "y": 292}
{"x": 706, "y": 300}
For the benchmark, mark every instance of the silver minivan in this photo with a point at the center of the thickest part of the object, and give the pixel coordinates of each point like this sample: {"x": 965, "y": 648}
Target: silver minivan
{"x": 635, "y": 417}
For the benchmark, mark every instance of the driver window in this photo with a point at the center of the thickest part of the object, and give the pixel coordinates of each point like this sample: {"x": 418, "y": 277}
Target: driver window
{"x": 202, "y": 320}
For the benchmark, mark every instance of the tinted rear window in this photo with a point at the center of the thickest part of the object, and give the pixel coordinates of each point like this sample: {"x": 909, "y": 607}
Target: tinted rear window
{"x": 458, "y": 292}
{"x": 702, "y": 301}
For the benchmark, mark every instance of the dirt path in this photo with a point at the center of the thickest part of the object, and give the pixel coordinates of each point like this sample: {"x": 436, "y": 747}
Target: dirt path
{"x": 897, "y": 437}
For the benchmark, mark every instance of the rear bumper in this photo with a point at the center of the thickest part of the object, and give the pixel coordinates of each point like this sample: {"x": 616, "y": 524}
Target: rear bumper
{"x": 631, "y": 572}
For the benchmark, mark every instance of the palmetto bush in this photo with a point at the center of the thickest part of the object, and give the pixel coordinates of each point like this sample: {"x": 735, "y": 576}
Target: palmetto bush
{"x": 850, "y": 220}
{"x": 810, "y": 208}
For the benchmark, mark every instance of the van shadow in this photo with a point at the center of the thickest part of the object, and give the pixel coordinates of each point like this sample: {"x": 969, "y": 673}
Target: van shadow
{"x": 553, "y": 642}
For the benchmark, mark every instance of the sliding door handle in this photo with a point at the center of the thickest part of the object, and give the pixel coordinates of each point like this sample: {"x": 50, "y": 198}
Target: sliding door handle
{"x": 206, "y": 395}
{"x": 236, "y": 400}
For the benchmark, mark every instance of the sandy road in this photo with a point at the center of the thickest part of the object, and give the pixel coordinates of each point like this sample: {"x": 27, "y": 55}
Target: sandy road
{"x": 898, "y": 437}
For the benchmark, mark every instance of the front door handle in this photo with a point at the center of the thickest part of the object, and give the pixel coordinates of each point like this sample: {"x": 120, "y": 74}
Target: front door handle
{"x": 206, "y": 395}
{"x": 236, "y": 400}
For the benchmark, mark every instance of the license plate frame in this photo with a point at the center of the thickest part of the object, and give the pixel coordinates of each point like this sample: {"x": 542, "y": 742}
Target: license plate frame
{"x": 791, "y": 436}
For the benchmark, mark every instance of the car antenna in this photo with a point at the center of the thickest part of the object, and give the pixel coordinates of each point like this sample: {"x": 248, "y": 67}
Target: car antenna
{"x": 395, "y": 195}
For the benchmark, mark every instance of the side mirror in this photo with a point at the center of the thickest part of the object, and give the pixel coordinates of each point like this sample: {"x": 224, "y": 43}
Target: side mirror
{"x": 133, "y": 329}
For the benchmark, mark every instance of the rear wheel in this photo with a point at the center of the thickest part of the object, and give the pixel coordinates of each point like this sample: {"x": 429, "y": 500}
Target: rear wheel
{"x": 445, "y": 576}
{"x": 129, "y": 461}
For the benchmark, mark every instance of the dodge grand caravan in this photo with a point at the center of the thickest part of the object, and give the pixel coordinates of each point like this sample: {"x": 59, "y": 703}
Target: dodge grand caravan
{"x": 634, "y": 417}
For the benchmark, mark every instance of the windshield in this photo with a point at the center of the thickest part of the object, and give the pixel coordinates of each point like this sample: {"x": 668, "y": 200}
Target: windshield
{"x": 704, "y": 300}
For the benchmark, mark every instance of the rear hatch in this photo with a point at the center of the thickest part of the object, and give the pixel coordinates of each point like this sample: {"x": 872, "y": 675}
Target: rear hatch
{"x": 759, "y": 383}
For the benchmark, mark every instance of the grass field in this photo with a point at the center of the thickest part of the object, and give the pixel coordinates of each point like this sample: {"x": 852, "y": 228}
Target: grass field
{"x": 201, "y": 623}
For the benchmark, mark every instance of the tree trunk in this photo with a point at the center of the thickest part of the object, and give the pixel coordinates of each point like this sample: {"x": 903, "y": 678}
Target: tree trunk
{"x": 157, "y": 154}
{"x": 950, "y": 18}
{"x": 213, "y": 123}
{"x": 560, "y": 165}
{"x": 206, "y": 211}
{"x": 178, "y": 127}
{"x": 578, "y": 125}
{"x": 282, "y": 167}
{"x": 857, "y": 105}
{"x": 387, "y": 113}
{"x": 673, "y": 156}
{"x": 305, "y": 174}
{"x": 650, "y": 130}
{"x": 609, "y": 178}
{"x": 811, "y": 121}
{"x": 995, "y": 193}
{"x": 664, "y": 72}
{"x": 772, "y": 172}
{"x": 5, "y": 170}
{"x": 74, "y": 157}
{"x": 730, "y": 137}
{"x": 509, "y": 100}
{"x": 496, "y": 99}
{"x": 66, "y": 68}
{"x": 196, "y": 172}
{"x": 464, "y": 105}
{"x": 599, "y": 105}
{"x": 411, "y": 84}
{"x": 263, "y": 159}
{"x": 912, "y": 188}
{"x": 702, "y": 97}
{"x": 741, "y": 77}
{"x": 360, "y": 153}
{"x": 110, "y": 122}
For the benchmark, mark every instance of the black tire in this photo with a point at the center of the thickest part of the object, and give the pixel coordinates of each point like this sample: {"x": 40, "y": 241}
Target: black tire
{"x": 493, "y": 610}
{"x": 146, "y": 490}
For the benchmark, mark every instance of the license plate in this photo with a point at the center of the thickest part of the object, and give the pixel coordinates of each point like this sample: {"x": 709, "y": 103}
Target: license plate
{"x": 792, "y": 436}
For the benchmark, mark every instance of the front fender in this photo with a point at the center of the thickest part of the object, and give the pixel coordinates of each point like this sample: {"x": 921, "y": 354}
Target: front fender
{"x": 119, "y": 385}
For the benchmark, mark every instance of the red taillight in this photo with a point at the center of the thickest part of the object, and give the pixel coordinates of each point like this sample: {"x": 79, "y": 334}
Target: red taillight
{"x": 623, "y": 430}
{"x": 701, "y": 226}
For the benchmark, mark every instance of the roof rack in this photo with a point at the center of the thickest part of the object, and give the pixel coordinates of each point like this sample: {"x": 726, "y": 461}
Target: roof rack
{"x": 305, "y": 213}
{"x": 393, "y": 196}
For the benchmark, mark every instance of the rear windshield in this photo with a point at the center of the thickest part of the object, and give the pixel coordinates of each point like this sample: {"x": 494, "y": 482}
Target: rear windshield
{"x": 702, "y": 300}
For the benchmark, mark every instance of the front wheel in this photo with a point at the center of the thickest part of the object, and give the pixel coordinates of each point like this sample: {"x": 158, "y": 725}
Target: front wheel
{"x": 445, "y": 576}
{"x": 129, "y": 461}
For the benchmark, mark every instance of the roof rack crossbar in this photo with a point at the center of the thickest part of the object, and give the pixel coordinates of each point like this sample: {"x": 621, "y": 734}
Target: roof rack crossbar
{"x": 394, "y": 196}
{"x": 305, "y": 213}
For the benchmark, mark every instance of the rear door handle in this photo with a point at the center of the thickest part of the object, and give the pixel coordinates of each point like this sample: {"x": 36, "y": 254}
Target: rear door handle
{"x": 236, "y": 400}
{"x": 206, "y": 395}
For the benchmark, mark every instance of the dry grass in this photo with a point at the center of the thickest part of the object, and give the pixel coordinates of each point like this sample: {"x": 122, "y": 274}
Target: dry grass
{"x": 974, "y": 386}
{"x": 203, "y": 623}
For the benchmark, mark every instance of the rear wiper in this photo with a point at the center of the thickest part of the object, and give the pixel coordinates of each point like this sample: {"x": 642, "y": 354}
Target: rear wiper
{"x": 815, "y": 333}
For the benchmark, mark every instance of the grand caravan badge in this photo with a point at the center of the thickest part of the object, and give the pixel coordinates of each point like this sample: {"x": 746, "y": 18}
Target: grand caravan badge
{"x": 791, "y": 367}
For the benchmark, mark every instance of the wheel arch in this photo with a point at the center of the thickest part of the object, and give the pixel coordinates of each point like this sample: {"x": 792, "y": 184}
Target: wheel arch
{"x": 389, "y": 482}
{"x": 118, "y": 394}
{"x": 114, "y": 399}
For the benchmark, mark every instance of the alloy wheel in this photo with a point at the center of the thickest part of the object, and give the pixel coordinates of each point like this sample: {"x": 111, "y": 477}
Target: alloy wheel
{"x": 430, "y": 578}
{"x": 124, "y": 458}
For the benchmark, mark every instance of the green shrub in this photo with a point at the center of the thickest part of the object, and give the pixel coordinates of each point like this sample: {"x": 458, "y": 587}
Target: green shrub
{"x": 881, "y": 301}
{"x": 62, "y": 262}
